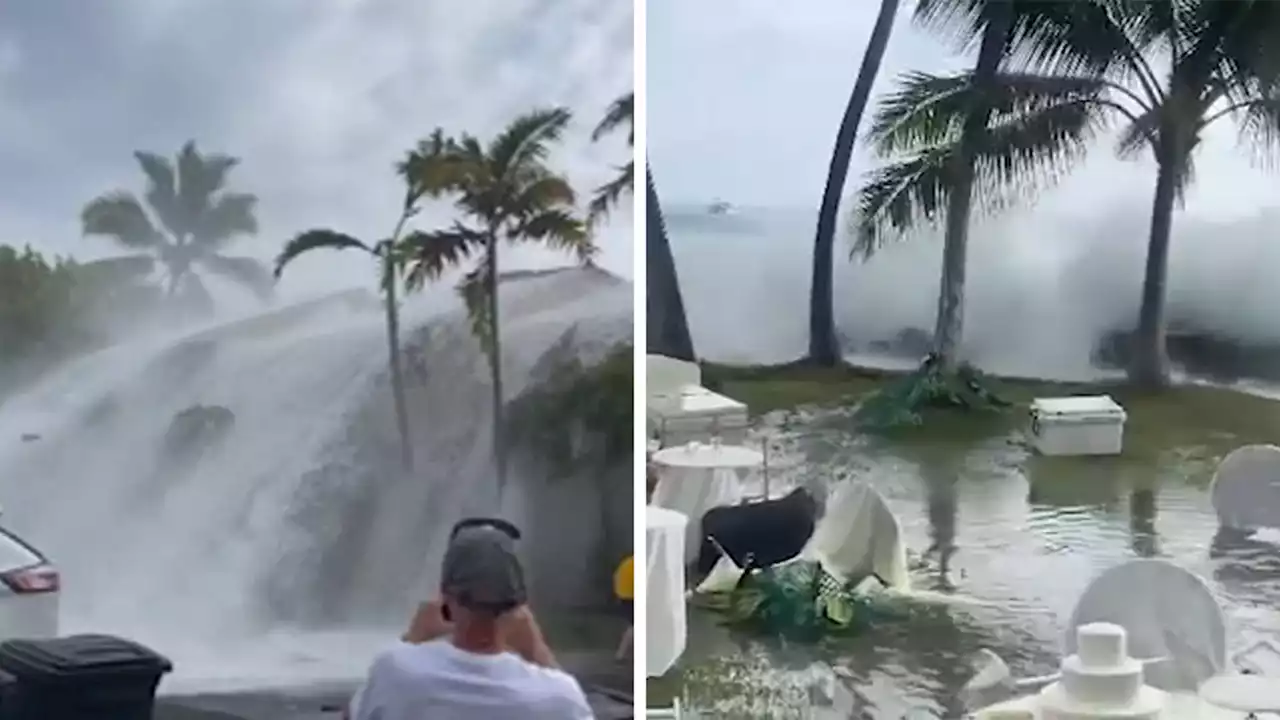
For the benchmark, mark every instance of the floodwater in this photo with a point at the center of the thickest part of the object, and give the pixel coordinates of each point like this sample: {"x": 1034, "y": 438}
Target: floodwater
{"x": 1022, "y": 533}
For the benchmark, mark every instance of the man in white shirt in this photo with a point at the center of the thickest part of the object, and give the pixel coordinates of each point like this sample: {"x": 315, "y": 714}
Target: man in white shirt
{"x": 476, "y": 654}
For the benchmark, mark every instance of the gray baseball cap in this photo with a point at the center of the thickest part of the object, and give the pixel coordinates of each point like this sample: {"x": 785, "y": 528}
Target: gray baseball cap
{"x": 481, "y": 570}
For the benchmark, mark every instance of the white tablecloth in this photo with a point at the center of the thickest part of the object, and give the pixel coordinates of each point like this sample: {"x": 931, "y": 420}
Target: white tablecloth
{"x": 692, "y": 492}
{"x": 664, "y": 589}
{"x": 709, "y": 455}
{"x": 696, "y": 477}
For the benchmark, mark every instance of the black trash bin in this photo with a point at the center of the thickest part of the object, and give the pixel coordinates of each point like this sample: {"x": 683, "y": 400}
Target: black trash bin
{"x": 81, "y": 677}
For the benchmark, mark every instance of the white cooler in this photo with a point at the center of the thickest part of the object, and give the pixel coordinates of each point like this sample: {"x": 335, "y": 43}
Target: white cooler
{"x": 1081, "y": 425}
{"x": 693, "y": 412}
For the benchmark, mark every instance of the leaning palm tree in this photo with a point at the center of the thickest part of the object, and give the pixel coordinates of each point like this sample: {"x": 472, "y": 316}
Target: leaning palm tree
{"x": 384, "y": 252}
{"x": 668, "y": 326}
{"x": 824, "y": 345}
{"x": 621, "y": 112}
{"x": 188, "y": 220}
{"x": 1094, "y": 68}
{"x": 504, "y": 190}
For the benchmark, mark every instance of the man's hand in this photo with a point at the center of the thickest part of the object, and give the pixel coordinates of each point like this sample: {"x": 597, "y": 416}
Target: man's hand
{"x": 521, "y": 635}
{"x": 428, "y": 623}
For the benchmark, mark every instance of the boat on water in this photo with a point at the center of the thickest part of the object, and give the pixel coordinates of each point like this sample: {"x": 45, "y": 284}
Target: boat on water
{"x": 720, "y": 207}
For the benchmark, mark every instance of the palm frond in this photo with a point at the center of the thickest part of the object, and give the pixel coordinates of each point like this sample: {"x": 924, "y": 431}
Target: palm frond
{"x": 538, "y": 190}
{"x": 245, "y": 271}
{"x": 558, "y": 229}
{"x": 620, "y": 111}
{"x": 610, "y": 194}
{"x": 315, "y": 240}
{"x": 1022, "y": 155}
{"x": 228, "y": 216}
{"x": 435, "y": 166}
{"x": 900, "y": 195}
{"x": 120, "y": 216}
{"x": 1138, "y": 134}
{"x": 928, "y": 109}
{"x": 428, "y": 255}
{"x": 527, "y": 140}
{"x": 1076, "y": 38}
{"x": 1258, "y": 124}
{"x": 200, "y": 176}
{"x": 474, "y": 290}
{"x": 1248, "y": 52}
{"x": 162, "y": 189}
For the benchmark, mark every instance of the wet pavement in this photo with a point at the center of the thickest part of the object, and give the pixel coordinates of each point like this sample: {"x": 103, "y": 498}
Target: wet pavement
{"x": 607, "y": 683}
{"x": 1022, "y": 533}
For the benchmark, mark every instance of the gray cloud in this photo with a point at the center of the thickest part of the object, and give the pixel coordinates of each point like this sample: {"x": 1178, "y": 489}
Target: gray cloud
{"x": 319, "y": 98}
{"x": 745, "y": 97}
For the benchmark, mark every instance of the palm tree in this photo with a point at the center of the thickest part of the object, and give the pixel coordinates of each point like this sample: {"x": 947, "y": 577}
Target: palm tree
{"x": 1088, "y": 65}
{"x": 505, "y": 191}
{"x": 824, "y": 345}
{"x": 192, "y": 219}
{"x": 385, "y": 253}
{"x": 621, "y": 112}
{"x": 668, "y": 326}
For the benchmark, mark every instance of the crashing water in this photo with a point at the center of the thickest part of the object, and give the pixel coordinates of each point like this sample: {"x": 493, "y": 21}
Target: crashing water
{"x": 292, "y": 548}
{"x": 1043, "y": 286}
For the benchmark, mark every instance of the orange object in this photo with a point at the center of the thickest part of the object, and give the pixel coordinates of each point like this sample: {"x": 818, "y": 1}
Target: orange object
{"x": 624, "y": 583}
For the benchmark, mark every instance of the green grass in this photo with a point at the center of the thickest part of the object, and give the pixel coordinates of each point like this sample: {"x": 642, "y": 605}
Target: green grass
{"x": 1181, "y": 432}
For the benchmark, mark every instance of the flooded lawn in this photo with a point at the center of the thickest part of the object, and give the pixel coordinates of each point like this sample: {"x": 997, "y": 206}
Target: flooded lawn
{"x": 1022, "y": 533}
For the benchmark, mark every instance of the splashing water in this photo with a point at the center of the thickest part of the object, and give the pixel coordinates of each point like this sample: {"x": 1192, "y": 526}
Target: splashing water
{"x": 291, "y": 548}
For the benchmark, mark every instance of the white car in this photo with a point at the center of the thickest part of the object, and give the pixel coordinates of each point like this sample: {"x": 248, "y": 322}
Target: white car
{"x": 29, "y": 586}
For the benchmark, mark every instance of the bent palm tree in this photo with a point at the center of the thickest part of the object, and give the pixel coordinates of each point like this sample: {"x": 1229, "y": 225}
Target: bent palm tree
{"x": 824, "y": 345}
{"x": 192, "y": 219}
{"x": 1094, "y": 72}
{"x": 668, "y": 326}
{"x": 621, "y": 112}
{"x": 390, "y": 262}
{"x": 505, "y": 191}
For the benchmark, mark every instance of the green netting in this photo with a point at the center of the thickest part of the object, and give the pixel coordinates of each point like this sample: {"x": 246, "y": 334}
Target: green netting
{"x": 799, "y": 601}
{"x": 905, "y": 401}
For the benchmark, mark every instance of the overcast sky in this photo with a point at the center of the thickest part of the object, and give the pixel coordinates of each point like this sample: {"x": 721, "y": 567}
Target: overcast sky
{"x": 745, "y": 97}
{"x": 318, "y": 97}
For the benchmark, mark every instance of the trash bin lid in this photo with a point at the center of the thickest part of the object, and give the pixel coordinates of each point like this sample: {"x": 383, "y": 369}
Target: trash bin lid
{"x": 76, "y": 656}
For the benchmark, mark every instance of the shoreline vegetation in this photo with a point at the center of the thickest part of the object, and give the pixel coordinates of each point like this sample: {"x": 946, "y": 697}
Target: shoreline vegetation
{"x": 1216, "y": 419}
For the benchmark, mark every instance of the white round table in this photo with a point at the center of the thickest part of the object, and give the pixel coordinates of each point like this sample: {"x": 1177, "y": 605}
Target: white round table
{"x": 709, "y": 455}
{"x": 666, "y": 627}
{"x": 696, "y": 477}
{"x": 1243, "y": 693}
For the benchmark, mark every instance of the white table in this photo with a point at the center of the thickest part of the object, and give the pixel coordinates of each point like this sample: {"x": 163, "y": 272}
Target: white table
{"x": 696, "y": 477}
{"x": 1177, "y": 706}
{"x": 666, "y": 626}
{"x": 1243, "y": 693}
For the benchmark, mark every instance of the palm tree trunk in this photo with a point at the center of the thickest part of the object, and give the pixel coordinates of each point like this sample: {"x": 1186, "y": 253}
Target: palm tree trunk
{"x": 397, "y": 368}
{"x": 1149, "y": 367}
{"x": 495, "y": 361}
{"x": 824, "y": 346}
{"x": 668, "y": 326}
{"x": 949, "y": 328}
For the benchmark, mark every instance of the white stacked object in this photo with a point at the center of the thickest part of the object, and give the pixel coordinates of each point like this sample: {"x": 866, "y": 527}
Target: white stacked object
{"x": 1081, "y": 425}
{"x": 693, "y": 412}
{"x": 664, "y": 374}
{"x": 1100, "y": 681}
